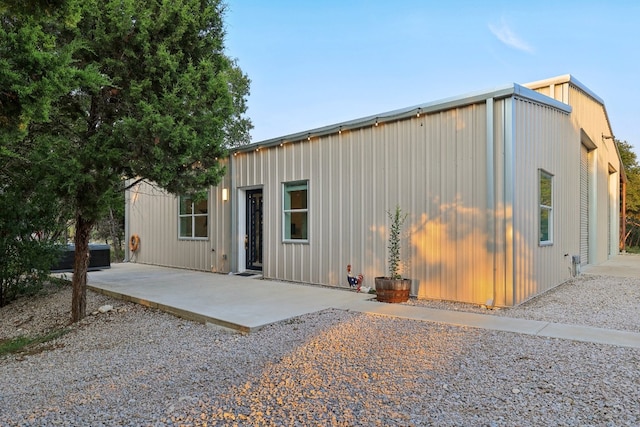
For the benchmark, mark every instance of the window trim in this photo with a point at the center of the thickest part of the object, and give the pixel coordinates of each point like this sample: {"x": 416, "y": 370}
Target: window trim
{"x": 285, "y": 211}
{"x": 547, "y": 208}
{"x": 193, "y": 215}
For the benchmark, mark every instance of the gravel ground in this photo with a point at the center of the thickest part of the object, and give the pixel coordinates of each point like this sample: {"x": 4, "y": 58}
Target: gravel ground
{"x": 590, "y": 300}
{"x": 135, "y": 366}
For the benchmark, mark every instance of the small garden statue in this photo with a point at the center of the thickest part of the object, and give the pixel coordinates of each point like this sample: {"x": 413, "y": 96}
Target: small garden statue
{"x": 354, "y": 281}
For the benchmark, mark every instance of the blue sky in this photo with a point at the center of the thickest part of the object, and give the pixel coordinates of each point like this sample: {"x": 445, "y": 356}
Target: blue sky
{"x": 316, "y": 63}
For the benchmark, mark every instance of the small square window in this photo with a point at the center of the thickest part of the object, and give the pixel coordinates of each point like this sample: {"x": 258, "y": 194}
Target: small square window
{"x": 193, "y": 218}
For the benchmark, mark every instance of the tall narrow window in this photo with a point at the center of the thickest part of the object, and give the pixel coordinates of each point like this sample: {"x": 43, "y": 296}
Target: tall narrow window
{"x": 295, "y": 218}
{"x": 194, "y": 217}
{"x": 546, "y": 207}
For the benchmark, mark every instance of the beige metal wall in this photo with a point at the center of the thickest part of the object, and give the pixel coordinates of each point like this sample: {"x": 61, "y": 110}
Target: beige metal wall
{"x": 589, "y": 114}
{"x": 153, "y": 216}
{"x": 433, "y": 166}
{"x": 436, "y": 167}
{"x": 544, "y": 138}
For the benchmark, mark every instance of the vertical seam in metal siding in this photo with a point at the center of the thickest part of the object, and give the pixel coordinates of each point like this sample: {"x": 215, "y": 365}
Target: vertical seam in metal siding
{"x": 509, "y": 185}
{"x": 233, "y": 262}
{"x": 491, "y": 200}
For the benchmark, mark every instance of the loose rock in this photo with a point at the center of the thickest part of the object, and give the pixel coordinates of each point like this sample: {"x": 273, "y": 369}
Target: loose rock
{"x": 145, "y": 367}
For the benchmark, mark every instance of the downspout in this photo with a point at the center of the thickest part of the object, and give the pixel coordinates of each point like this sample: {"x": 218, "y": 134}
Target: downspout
{"x": 491, "y": 199}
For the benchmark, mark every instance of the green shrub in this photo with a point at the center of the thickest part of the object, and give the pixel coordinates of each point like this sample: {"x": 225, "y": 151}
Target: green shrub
{"x": 31, "y": 221}
{"x": 24, "y": 266}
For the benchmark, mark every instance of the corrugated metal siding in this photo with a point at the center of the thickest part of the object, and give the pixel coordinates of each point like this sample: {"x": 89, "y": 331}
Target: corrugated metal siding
{"x": 220, "y": 230}
{"x": 433, "y": 166}
{"x": 589, "y": 115}
{"x": 153, "y": 215}
{"x": 501, "y": 243}
{"x": 539, "y": 132}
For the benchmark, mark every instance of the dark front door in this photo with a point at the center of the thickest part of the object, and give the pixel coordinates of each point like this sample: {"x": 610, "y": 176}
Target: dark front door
{"x": 253, "y": 239}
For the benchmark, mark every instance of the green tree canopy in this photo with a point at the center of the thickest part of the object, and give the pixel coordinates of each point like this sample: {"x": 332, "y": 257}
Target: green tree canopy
{"x": 97, "y": 92}
{"x": 33, "y": 71}
{"x": 631, "y": 237}
{"x": 632, "y": 170}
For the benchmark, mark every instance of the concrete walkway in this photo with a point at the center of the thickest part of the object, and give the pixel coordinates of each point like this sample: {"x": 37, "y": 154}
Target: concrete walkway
{"x": 247, "y": 304}
{"x": 623, "y": 265}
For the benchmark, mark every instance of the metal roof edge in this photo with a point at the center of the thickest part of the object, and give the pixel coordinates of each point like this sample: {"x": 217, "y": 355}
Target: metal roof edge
{"x": 503, "y": 91}
{"x": 575, "y": 82}
{"x": 565, "y": 78}
{"x": 429, "y": 107}
{"x": 525, "y": 92}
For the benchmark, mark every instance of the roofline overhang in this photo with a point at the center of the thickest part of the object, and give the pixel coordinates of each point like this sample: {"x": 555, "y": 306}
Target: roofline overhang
{"x": 506, "y": 91}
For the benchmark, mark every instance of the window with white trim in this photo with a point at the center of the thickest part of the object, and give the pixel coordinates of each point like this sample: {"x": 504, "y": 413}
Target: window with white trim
{"x": 295, "y": 212}
{"x": 545, "y": 192}
{"x": 193, "y": 218}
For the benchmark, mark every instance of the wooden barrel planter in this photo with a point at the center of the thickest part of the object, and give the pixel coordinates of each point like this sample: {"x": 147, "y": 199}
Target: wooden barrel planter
{"x": 392, "y": 290}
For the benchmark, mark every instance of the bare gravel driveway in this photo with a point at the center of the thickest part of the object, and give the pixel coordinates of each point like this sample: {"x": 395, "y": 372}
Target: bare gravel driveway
{"x": 135, "y": 366}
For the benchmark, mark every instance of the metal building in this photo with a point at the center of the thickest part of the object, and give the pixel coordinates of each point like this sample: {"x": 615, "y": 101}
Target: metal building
{"x": 509, "y": 192}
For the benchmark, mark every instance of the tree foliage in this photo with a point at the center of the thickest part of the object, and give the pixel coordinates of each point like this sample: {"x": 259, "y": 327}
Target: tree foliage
{"x": 34, "y": 69}
{"x": 632, "y": 171}
{"x": 32, "y": 221}
{"x": 26, "y": 256}
{"x": 32, "y": 73}
{"x": 98, "y": 92}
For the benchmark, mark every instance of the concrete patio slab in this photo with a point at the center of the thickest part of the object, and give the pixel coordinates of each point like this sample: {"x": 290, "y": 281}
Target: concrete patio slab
{"x": 242, "y": 303}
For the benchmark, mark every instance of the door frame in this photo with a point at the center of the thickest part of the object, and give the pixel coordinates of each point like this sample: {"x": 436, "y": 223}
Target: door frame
{"x": 241, "y": 221}
{"x": 254, "y": 237}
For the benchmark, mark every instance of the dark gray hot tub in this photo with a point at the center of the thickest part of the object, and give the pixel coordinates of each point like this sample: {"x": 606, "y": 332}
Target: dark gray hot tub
{"x": 100, "y": 258}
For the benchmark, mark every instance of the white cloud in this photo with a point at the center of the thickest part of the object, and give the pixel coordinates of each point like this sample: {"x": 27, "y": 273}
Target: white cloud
{"x": 508, "y": 37}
